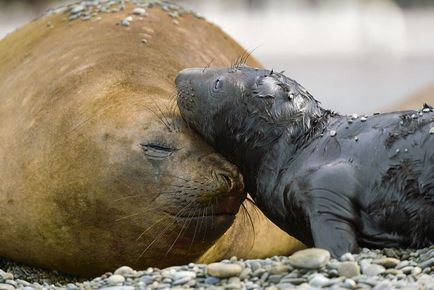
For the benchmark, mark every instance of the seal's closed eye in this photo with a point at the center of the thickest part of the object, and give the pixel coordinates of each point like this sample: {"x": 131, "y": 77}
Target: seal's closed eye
{"x": 157, "y": 151}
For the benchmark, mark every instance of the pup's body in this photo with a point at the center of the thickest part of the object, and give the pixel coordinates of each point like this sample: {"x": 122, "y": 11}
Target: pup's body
{"x": 336, "y": 182}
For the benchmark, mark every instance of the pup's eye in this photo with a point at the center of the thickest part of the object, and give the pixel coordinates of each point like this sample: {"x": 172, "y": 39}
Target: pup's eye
{"x": 157, "y": 151}
{"x": 217, "y": 85}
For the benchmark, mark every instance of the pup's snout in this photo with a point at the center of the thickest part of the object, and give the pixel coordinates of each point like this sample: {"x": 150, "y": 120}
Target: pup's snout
{"x": 187, "y": 74}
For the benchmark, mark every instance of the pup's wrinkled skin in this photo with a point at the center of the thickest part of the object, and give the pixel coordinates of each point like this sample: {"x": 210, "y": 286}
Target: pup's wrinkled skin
{"x": 332, "y": 181}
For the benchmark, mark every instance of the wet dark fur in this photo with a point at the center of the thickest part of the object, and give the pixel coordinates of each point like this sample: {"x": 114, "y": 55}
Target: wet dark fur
{"x": 371, "y": 184}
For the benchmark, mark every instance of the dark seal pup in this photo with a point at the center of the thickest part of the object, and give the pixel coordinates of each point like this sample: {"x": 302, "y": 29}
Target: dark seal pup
{"x": 335, "y": 182}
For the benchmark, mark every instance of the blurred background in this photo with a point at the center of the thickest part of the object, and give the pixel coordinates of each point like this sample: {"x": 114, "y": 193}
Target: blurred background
{"x": 355, "y": 56}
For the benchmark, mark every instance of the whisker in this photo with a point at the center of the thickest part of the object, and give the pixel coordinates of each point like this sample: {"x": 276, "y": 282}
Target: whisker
{"x": 195, "y": 230}
{"x": 206, "y": 224}
{"x": 208, "y": 65}
{"x": 147, "y": 229}
{"x": 180, "y": 233}
{"x": 156, "y": 239}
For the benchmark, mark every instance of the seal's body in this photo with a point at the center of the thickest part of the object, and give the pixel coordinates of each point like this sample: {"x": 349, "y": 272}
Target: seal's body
{"x": 336, "y": 182}
{"x": 97, "y": 169}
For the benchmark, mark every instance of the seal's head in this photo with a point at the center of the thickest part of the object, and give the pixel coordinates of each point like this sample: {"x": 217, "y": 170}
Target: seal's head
{"x": 241, "y": 101}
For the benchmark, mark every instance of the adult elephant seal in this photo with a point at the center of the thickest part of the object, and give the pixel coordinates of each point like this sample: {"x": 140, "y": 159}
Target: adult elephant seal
{"x": 97, "y": 169}
{"x": 335, "y": 182}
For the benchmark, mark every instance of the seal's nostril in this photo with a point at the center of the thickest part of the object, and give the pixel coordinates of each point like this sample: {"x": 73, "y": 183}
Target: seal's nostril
{"x": 227, "y": 179}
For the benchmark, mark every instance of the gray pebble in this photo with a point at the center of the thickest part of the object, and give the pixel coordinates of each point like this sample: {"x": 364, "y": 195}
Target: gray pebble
{"x": 431, "y": 131}
{"x": 181, "y": 281}
{"x": 115, "y": 280}
{"x": 77, "y": 9}
{"x": 427, "y": 263}
{"x": 6, "y": 287}
{"x": 318, "y": 280}
{"x": 212, "y": 280}
{"x": 294, "y": 281}
{"x": 117, "y": 288}
{"x": 139, "y": 11}
{"x": 223, "y": 270}
{"x": 125, "y": 271}
{"x": 310, "y": 258}
{"x": 348, "y": 256}
{"x": 333, "y": 133}
{"x": 275, "y": 279}
{"x": 6, "y": 276}
{"x": 349, "y": 283}
{"x": 387, "y": 262}
{"x": 374, "y": 270}
{"x": 349, "y": 269}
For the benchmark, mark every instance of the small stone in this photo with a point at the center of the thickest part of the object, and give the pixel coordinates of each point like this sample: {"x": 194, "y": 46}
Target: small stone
{"x": 427, "y": 263}
{"x": 279, "y": 269}
{"x": 332, "y": 133}
{"x": 426, "y": 110}
{"x": 354, "y": 116}
{"x": 294, "y": 281}
{"x": 125, "y": 271}
{"x": 76, "y": 9}
{"x": 175, "y": 21}
{"x": 115, "y": 279}
{"x": 223, "y": 270}
{"x": 125, "y": 22}
{"x": 144, "y": 41}
{"x": 349, "y": 269}
{"x": 73, "y": 17}
{"x": 6, "y": 275}
{"x": 416, "y": 271}
{"x": 275, "y": 279}
{"x": 117, "y": 288}
{"x": 397, "y": 150}
{"x": 374, "y": 270}
{"x": 392, "y": 271}
{"x": 212, "y": 280}
{"x": 387, "y": 262}
{"x": 6, "y": 287}
{"x": 414, "y": 116}
{"x": 348, "y": 256}
{"x": 349, "y": 283}
{"x": 245, "y": 273}
{"x": 363, "y": 119}
{"x": 403, "y": 264}
{"x": 181, "y": 281}
{"x": 12, "y": 282}
{"x": 309, "y": 258}
{"x": 431, "y": 131}
{"x": 356, "y": 138}
{"x": 318, "y": 280}
{"x": 139, "y": 11}
{"x": 184, "y": 274}
{"x": 174, "y": 14}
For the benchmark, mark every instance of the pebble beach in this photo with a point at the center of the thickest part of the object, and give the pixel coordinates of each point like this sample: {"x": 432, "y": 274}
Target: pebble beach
{"x": 308, "y": 269}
